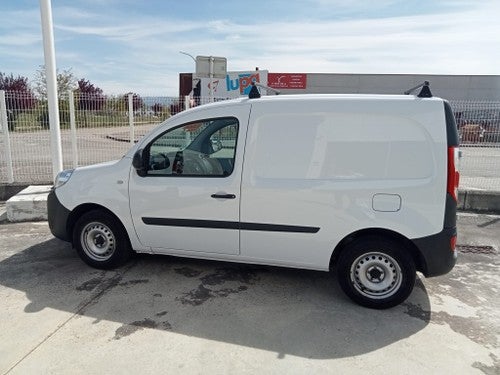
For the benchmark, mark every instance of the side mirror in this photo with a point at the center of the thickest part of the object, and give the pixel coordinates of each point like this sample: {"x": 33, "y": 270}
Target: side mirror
{"x": 139, "y": 163}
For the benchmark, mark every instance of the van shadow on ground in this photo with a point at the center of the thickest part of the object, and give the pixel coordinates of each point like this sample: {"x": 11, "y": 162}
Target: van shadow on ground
{"x": 296, "y": 312}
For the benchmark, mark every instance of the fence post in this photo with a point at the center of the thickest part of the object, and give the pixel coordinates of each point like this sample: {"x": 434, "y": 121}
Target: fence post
{"x": 72, "y": 122}
{"x": 187, "y": 102}
{"x": 5, "y": 127}
{"x": 131, "y": 117}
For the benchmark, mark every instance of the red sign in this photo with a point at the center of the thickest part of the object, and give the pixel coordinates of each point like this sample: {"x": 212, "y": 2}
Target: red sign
{"x": 287, "y": 80}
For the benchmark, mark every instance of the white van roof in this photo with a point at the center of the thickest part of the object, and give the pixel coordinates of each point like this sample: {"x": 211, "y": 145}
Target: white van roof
{"x": 313, "y": 97}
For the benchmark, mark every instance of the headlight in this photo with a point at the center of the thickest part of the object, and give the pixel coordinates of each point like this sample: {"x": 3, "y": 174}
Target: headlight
{"x": 62, "y": 178}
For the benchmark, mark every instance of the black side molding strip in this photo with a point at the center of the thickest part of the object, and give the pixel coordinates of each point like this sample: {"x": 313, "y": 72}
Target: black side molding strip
{"x": 278, "y": 228}
{"x": 227, "y": 225}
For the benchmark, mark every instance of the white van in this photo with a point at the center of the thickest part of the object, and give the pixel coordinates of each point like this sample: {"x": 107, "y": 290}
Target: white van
{"x": 366, "y": 184}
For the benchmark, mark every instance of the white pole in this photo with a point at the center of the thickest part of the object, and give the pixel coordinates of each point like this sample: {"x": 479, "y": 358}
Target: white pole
{"x": 187, "y": 105}
{"x": 131, "y": 117}
{"x": 211, "y": 79}
{"x": 5, "y": 126}
{"x": 72, "y": 122}
{"x": 50, "y": 71}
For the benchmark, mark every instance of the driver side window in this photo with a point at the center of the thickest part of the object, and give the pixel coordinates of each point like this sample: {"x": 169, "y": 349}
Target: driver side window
{"x": 205, "y": 148}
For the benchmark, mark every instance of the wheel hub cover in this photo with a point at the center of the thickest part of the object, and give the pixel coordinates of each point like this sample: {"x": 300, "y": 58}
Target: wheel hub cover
{"x": 376, "y": 275}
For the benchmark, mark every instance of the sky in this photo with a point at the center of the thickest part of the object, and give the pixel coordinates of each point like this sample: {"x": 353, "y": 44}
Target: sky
{"x": 123, "y": 46}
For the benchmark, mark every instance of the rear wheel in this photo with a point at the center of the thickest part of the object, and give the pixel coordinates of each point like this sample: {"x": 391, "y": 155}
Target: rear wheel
{"x": 100, "y": 240}
{"x": 376, "y": 272}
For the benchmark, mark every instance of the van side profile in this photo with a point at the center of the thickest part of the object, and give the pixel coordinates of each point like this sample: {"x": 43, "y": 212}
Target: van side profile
{"x": 364, "y": 184}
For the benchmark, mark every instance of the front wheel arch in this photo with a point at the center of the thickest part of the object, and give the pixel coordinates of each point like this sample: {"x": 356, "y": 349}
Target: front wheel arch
{"x": 101, "y": 240}
{"x": 77, "y": 212}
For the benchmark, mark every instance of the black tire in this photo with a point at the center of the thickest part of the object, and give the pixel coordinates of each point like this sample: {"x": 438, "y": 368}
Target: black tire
{"x": 376, "y": 272}
{"x": 100, "y": 240}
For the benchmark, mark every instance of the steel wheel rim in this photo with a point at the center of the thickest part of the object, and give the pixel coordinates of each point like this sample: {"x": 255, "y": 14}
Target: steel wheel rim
{"x": 376, "y": 275}
{"x": 98, "y": 241}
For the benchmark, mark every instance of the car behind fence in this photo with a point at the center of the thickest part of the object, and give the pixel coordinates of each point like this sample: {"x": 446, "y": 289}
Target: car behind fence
{"x": 97, "y": 128}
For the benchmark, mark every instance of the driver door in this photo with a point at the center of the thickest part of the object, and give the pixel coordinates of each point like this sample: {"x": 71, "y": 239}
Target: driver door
{"x": 189, "y": 198}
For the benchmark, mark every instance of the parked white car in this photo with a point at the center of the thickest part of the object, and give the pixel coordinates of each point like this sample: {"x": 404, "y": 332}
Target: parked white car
{"x": 364, "y": 183}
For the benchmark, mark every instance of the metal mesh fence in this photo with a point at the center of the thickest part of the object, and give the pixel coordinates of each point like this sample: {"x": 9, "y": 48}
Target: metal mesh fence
{"x": 102, "y": 129}
{"x": 27, "y": 122}
{"x": 479, "y": 129}
{"x": 478, "y": 123}
{"x": 105, "y": 128}
{"x": 97, "y": 128}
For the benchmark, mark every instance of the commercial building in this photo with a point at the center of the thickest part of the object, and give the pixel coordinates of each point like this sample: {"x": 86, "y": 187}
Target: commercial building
{"x": 451, "y": 87}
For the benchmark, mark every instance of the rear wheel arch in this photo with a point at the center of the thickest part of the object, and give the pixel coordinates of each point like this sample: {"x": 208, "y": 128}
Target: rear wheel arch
{"x": 382, "y": 233}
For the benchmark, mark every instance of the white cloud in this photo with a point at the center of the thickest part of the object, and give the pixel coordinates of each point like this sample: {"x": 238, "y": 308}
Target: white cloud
{"x": 20, "y": 39}
{"x": 137, "y": 31}
{"x": 462, "y": 42}
{"x": 145, "y": 55}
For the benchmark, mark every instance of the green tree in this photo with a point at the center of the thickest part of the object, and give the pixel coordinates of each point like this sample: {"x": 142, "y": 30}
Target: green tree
{"x": 66, "y": 81}
{"x": 64, "y": 119}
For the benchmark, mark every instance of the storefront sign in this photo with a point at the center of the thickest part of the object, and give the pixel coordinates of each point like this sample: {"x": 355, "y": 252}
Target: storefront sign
{"x": 235, "y": 84}
{"x": 287, "y": 80}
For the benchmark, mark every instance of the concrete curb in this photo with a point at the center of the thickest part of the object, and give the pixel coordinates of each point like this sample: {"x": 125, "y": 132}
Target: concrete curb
{"x": 29, "y": 204}
{"x": 479, "y": 201}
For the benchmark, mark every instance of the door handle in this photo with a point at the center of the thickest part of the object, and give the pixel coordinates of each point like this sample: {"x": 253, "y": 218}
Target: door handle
{"x": 223, "y": 196}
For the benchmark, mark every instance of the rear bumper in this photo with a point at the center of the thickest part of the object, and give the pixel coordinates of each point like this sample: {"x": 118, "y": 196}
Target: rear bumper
{"x": 437, "y": 255}
{"x": 58, "y": 217}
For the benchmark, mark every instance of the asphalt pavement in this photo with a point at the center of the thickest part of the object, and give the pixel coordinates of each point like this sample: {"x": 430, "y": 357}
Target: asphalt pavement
{"x": 163, "y": 314}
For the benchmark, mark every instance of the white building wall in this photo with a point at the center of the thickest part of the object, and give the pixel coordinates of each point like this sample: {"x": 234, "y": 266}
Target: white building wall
{"x": 452, "y": 87}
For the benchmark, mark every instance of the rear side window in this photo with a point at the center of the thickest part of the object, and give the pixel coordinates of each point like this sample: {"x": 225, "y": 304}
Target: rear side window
{"x": 205, "y": 148}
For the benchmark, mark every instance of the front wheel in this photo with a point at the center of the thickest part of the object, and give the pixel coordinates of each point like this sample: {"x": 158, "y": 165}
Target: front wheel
{"x": 376, "y": 272}
{"x": 100, "y": 240}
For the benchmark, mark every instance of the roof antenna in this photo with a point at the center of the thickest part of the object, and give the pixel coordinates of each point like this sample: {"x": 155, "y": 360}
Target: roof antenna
{"x": 424, "y": 93}
{"x": 254, "y": 92}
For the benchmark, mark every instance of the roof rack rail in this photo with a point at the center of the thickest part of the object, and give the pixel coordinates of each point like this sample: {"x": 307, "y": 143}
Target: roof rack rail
{"x": 254, "y": 92}
{"x": 424, "y": 93}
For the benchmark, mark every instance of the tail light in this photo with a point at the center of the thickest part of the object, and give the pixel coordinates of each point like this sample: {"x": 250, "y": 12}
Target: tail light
{"x": 453, "y": 173}
{"x": 453, "y": 243}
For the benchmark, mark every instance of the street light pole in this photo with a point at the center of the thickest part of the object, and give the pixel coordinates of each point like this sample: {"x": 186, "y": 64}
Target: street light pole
{"x": 187, "y": 54}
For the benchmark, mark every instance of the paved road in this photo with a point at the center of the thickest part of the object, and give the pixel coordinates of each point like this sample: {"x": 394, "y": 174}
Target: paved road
{"x": 172, "y": 315}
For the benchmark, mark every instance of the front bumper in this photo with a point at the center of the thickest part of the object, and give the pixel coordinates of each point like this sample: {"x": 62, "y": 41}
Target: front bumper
{"x": 58, "y": 217}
